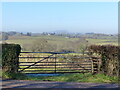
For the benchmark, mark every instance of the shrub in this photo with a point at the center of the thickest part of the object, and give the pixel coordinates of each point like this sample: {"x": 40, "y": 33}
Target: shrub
{"x": 10, "y": 60}
{"x": 109, "y": 57}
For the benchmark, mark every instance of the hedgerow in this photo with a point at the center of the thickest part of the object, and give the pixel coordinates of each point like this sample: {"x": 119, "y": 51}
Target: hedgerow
{"x": 110, "y": 58}
{"x": 10, "y": 60}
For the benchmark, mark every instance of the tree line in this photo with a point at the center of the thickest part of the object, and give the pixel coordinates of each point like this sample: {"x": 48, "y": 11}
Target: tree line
{"x": 5, "y": 35}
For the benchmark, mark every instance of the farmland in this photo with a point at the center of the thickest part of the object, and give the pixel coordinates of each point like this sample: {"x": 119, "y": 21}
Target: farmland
{"x": 61, "y": 42}
{"x": 63, "y": 60}
{"x": 56, "y": 43}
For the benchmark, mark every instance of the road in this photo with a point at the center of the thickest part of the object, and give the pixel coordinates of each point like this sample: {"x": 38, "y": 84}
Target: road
{"x": 49, "y": 84}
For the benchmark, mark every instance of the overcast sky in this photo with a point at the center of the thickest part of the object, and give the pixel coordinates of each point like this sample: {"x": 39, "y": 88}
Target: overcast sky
{"x": 83, "y": 17}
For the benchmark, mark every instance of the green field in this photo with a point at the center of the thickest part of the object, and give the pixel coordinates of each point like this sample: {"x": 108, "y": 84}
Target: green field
{"x": 103, "y": 41}
{"x": 59, "y": 41}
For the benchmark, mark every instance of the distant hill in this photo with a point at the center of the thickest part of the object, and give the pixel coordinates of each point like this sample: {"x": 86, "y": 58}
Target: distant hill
{"x": 64, "y": 33}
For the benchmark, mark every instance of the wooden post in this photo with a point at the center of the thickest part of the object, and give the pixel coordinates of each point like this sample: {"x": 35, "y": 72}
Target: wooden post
{"x": 55, "y": 63}
{"x": 92, "y": 68}
{"x": 99, "y": 63}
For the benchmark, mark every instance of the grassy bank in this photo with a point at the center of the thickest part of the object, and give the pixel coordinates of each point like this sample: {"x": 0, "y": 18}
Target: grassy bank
{"x": 77, "y": 77}
{"x": 98, "y": 78}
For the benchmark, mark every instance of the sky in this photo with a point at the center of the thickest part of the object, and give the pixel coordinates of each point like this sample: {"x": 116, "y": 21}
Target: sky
{"x": 82, "y": 17}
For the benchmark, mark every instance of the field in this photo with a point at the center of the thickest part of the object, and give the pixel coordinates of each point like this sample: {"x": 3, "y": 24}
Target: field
{"x": 103, "y": 41}
{"x": 59, "y": 41}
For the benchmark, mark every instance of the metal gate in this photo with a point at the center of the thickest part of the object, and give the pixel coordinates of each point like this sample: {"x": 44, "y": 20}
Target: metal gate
{"x": 54, "y": 62}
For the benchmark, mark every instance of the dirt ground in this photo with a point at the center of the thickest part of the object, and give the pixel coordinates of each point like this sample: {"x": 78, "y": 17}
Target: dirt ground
{"x": 49, "y": 84}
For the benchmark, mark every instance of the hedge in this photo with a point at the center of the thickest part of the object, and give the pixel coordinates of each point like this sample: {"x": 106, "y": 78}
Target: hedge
{"x": 110, "y": 58}
{"x": 0, "y": 55}
{"x": 10, "y": 60}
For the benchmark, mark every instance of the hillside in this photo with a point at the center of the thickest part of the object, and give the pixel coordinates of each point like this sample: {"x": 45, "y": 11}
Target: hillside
{"x": 63, "y": 42}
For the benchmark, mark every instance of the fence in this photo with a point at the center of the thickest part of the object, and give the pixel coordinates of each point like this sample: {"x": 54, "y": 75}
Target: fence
{"x": 56, "y": 62}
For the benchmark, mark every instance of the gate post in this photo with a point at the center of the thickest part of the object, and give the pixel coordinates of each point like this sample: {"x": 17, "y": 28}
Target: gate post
{"x": 92, "y": 68}
{"x": 99, "y": 64}
{"x": 55, "y": 63}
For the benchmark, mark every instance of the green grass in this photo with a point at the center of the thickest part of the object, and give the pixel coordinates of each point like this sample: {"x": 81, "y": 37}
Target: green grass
{"x": 24, "y": 39}
{"x": 0, "y": 72}
{"x": 16, "y": 76}
{"x": 103, "y": 41}
{"x": 58, "y": 40}
{"x": 87, "y": 77}
{"x": 77, "y": 77}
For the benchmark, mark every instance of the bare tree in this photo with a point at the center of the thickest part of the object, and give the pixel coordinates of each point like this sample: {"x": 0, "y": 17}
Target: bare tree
{"x": 40, "y": 45}
{"x": 81, "y": 45}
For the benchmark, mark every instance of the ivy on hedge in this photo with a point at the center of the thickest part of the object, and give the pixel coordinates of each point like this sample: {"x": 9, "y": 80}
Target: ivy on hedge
{"x": 10, "y": 60}
{"x": 110, "y": 56}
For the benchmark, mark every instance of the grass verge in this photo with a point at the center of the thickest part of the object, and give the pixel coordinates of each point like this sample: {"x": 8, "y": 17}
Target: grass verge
{"x": 77, "y": 77}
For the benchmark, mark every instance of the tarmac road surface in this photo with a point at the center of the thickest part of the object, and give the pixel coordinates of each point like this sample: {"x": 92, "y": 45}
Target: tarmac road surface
{"x": 49, "y": 84}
